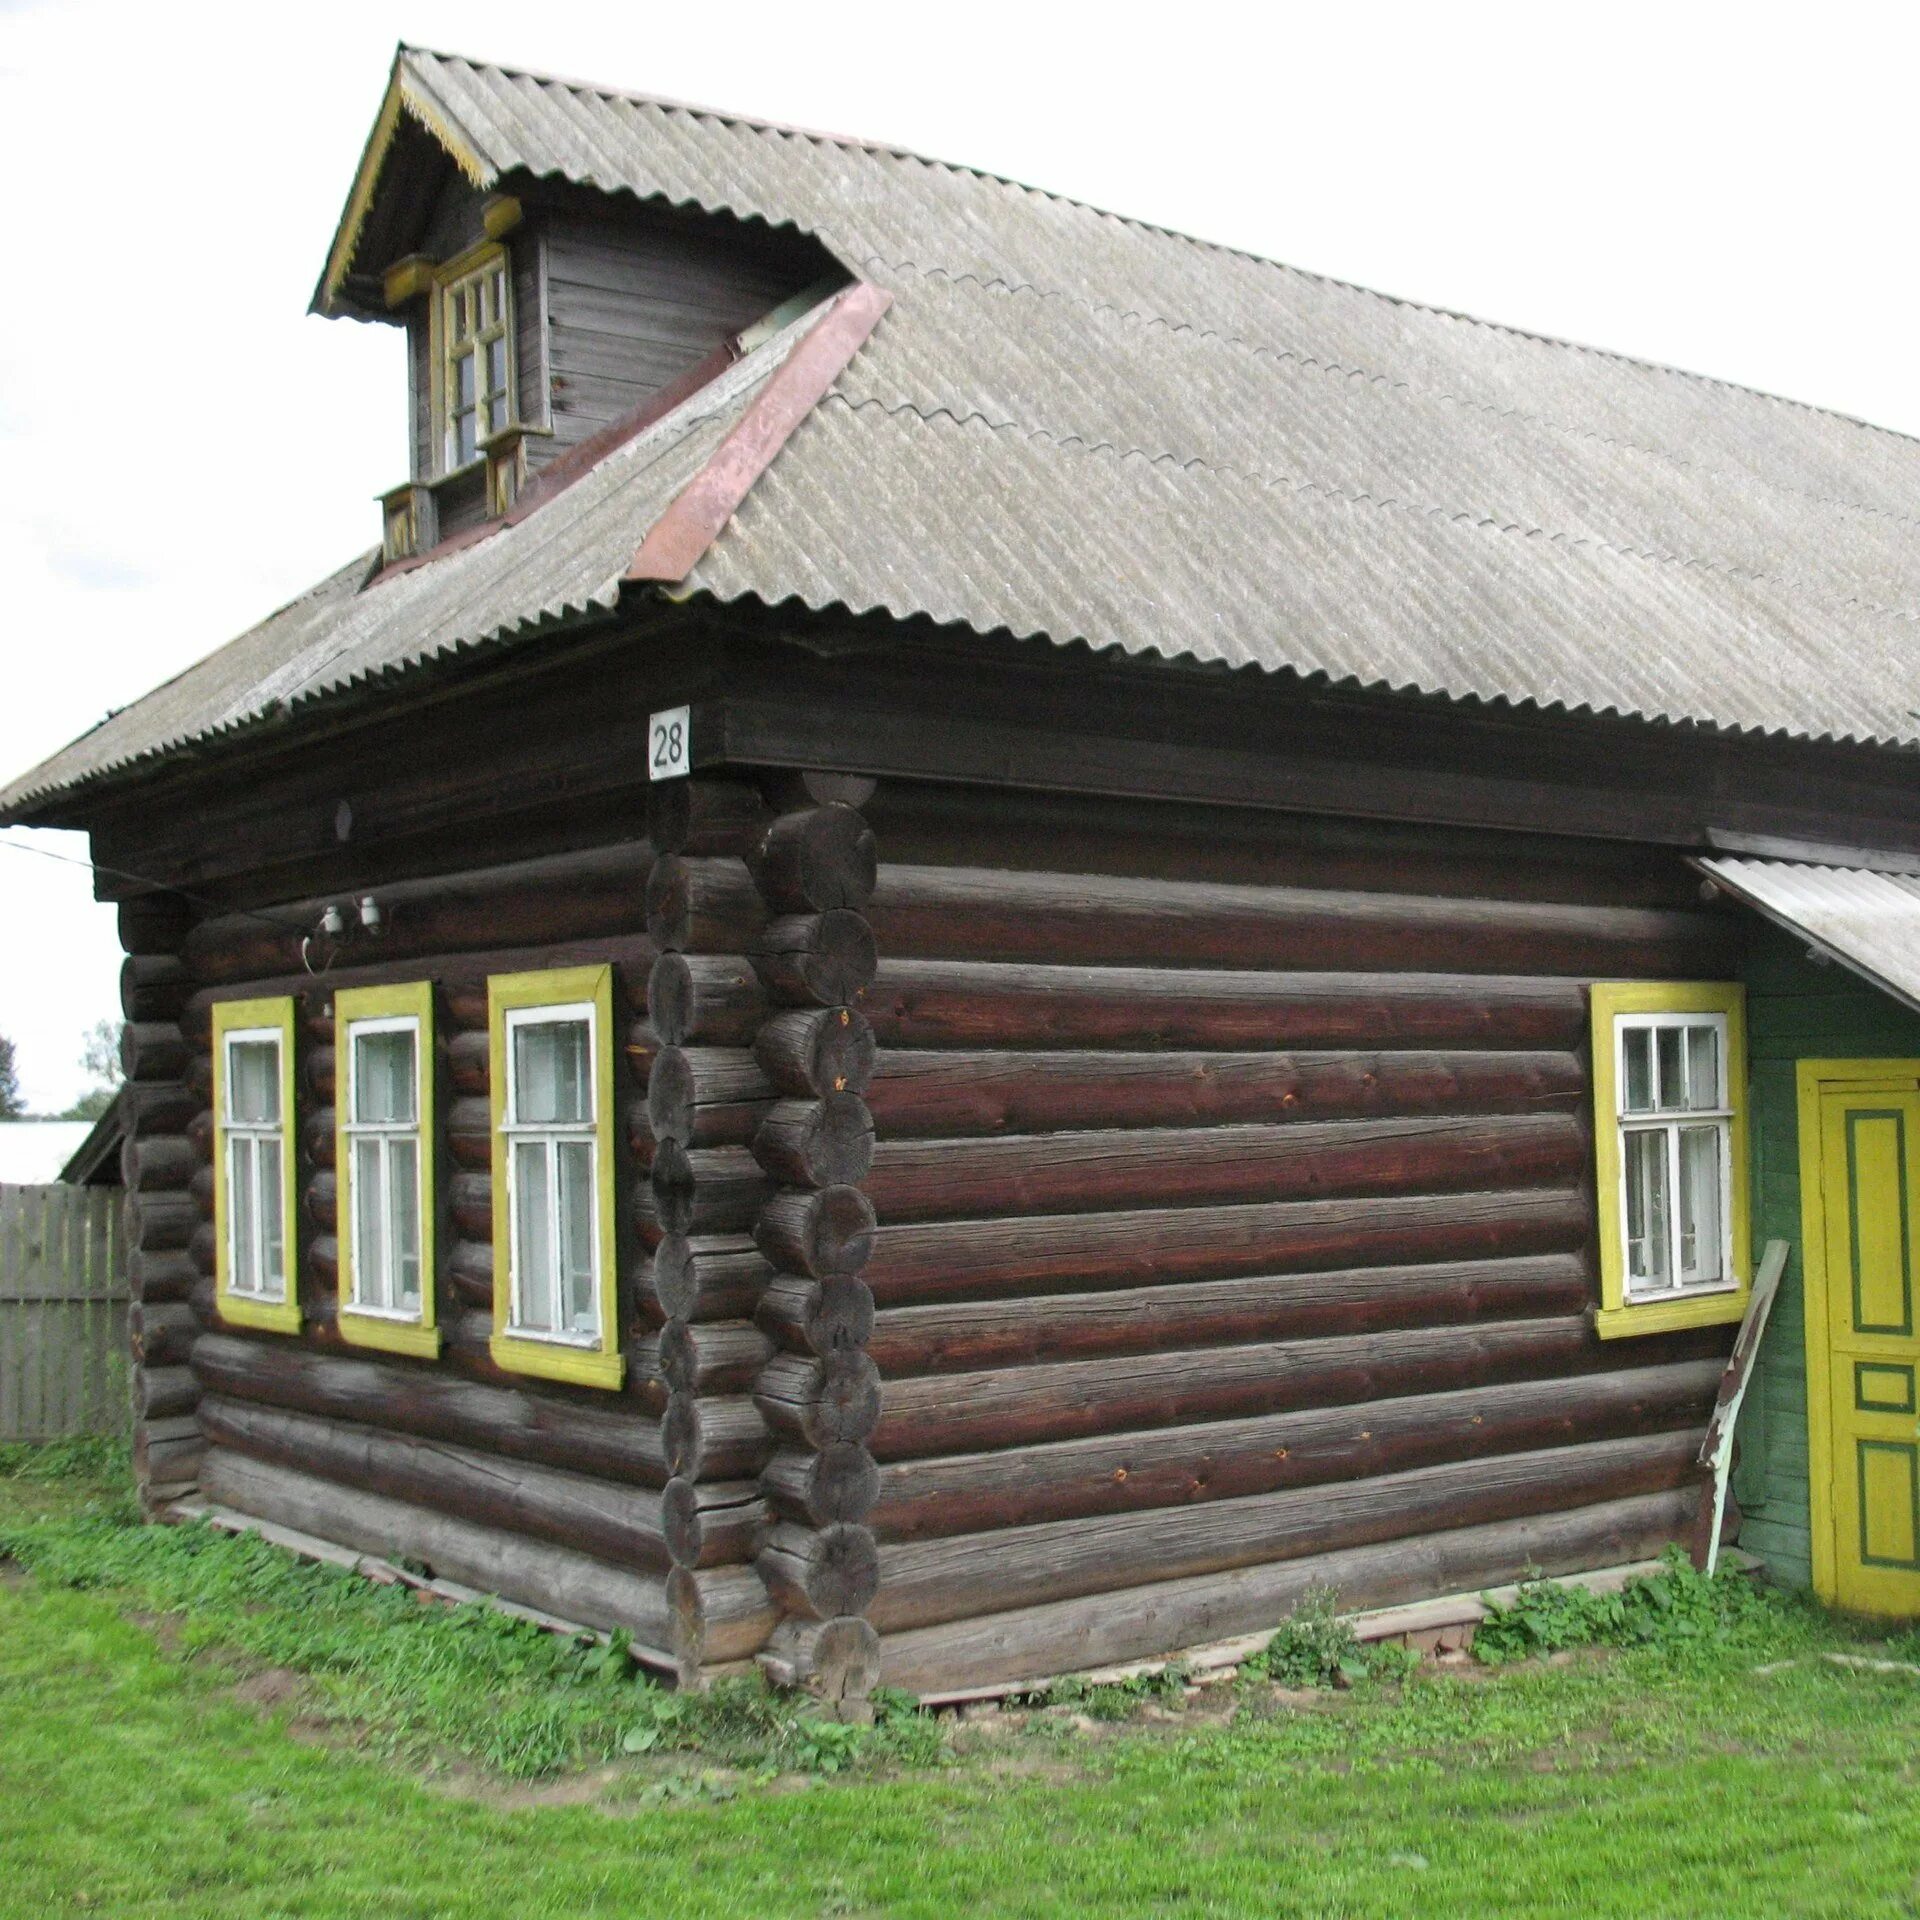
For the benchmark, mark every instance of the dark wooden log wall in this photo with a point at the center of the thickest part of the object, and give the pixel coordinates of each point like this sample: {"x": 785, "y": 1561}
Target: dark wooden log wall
{"x": 635, "y": 1509}
{"x": 1234, "y": 1226}
{"x": 165, "y": 1168}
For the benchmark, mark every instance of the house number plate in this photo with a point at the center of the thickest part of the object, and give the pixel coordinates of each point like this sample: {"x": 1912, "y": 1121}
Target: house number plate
{"x": 669, "y": 745}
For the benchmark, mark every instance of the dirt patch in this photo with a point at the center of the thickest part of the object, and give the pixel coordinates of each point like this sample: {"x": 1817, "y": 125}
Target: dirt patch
{"x": 13, "y": 1574}
{"x": 270, "y": 1687}
{"x": 165, "y": 1628}
{"x": 590, "y": 1788}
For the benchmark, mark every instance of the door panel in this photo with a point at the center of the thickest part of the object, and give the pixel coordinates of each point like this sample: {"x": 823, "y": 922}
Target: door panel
{"x": 1870, "y": 1171}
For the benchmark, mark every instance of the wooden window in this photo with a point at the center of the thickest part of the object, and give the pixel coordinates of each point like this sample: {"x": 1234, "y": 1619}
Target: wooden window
{"x": 384, "y": 1160}
{"x": 254, "y": 1194}
{"x": 473, "y": 317}
{"x": 553, "y": 1191}
{"x": 1670, "y": 1098}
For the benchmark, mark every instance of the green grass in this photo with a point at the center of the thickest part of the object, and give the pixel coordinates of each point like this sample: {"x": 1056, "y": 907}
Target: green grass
{"x": 1670, "y": 1777}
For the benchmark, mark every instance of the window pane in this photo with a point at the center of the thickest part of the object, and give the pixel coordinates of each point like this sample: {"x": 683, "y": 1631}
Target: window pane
{"x": 466, "y": 439}
{"x": 550, "y": 1073}
{"x": 370, "y": 1240}
{"x": 533, "y": 1228}
{"x": 384, "y": 1078}
{"x": 1636, "y": 1050}
{"x": 243, "y": 1225}
{"x": 1703, "y": 1069}
{"x": 403, "y": 1200}
{"x": 463, "y": 377}
{"x": 1645, "y": 1151}
{"x": 253, "y": 1068}
{"x": 497, "y": 366}
{"x": 273, "y": 1250}
{"x": 576, "y": 1235}
{"x": 1671, "y": 1046}
{"x": 1702, "y": 1257}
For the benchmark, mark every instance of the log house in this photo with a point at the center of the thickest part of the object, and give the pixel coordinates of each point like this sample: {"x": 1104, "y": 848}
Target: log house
{"x": 990, "y": 939}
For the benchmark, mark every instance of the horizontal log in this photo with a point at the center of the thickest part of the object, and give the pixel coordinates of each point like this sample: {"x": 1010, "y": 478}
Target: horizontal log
{"x": 815, "y": 960}
{"x": 818, "y": 1572}
{"x": 161, "y": 1275}
{"x": 1294, "y": 1306}
{"x": 153, "y": 986}
{"x": 201, "y": 1188}
{"x": 160, "y": 1393}
{"x": 705, "y": 1000}
{"x": 816, "y": 1487}
{"x": 1021, "y": 1406}
{"x": 161, "y": 1333}
{"x": 836, "y": 1660}
{"x": 925, "y": 1094}
{"x": 556, "y": 1580}
{"x": 702, "y": 904}
{"x": 816, "y": 1316}
{"x": 815, "y": 858}
{"x": 715, "y": 1356}
{"x": 154, "y": 922}
{"x": 825, "y": 1234}
{"x": 161, "y": 1222}
{"x": 720, "y": 1615}
{"x": 705, "y": 816}
{"x": 322, "y": 1201}
{"x": 1229, "y": 1459}
{"x": 982, "y": 1258}
{"x": 470, "y": 1204}
{"x": 1074, "y": 1635}
{"x": 811, "y": 1051}
{"x": 559, "y": 897}
{"x": 161, "y": 1108}
{"x": 985, "y": 1004}
{"x": 318, "y": 1138}
{"x": 198, "y": 1079}
{"x": 970, "y": 913}
{"x": 469, "y": 1130}
{"x": 926, "y": 1582}
{"x": 707, "y": 1096}
{"x": 1057, "y": 1173}
{"x": 153, "y": 1050}
{"x": 469, "y": 1272}
{"x": 470, "y": 1064}
{"x": 724, "y": 1437}
{"x": 463, "y": 977}
{"x": 701, "y": 1191}
{"x": 166, "y": 1460}
{"x": 161, "y": 1163}
{"x": 618, "y": 1523}
{"x": 715, "y": 1277}
{"x": 319, "y": 1069}
{"x": 814, "y": 1403}
{"x": 716, "y": 1525}
{"x": 789, "y": 788}
{"x": 823, "y": 1142}
{"x": 538, "y": 1426}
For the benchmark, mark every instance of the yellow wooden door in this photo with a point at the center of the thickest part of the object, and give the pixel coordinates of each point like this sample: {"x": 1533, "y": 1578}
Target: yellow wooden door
{"x": 1870, "y": 1181}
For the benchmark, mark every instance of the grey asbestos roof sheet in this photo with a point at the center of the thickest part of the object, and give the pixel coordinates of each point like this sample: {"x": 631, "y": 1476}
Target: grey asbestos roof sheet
{"x": 1869, "y": 921}
{"x": 1073, "y": 426}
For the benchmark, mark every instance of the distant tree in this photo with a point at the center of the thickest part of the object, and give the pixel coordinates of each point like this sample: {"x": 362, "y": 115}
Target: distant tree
{"x": 13, "y": 1105}
{"x": 100, "y": 1062}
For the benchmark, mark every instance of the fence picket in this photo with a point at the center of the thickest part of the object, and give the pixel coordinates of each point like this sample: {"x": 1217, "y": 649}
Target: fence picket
{"x": 63, "y": 1314}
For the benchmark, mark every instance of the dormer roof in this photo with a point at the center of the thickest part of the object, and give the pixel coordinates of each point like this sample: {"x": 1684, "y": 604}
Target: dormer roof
{"x": 1076, "y": 427}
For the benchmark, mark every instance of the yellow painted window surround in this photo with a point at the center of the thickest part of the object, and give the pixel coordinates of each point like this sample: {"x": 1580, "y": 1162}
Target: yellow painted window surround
{"x": 255, "y": 1197}
{"x": 472, "y": 322}
{"x": 555, "y": 1232}
{"x": 1670, "y": 1137}
{"x": 386, "y": 1167}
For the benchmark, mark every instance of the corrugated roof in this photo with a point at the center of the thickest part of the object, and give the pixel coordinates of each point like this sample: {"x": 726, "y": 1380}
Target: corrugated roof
{"x": 1867, "y": 920}
{"x": 1074, "y": 426}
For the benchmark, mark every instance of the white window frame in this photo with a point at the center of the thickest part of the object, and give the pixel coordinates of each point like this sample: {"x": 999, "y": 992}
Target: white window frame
{"x": 353, "y": 1131}
{"x": 458, "y": 278}
{"x": 280, "y": 1133}
{"x": 1671, "y": 1122}
{"x": 518, "y": 1135}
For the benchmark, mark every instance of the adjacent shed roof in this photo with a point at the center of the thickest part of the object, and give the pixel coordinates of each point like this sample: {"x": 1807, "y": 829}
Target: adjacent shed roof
{"x": 1077, "y": 427}
{"x": 1867, "y": 920}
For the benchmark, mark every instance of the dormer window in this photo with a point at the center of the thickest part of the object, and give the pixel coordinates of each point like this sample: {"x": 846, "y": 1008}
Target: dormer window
{"x": 475, "y": 322}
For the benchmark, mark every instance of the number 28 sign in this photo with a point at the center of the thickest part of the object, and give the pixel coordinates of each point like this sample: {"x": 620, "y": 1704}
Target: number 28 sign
{"x": 669, "y": 745}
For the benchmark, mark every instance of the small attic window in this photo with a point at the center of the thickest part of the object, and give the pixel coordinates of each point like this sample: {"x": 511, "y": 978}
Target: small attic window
{"x": 473, "y": 317}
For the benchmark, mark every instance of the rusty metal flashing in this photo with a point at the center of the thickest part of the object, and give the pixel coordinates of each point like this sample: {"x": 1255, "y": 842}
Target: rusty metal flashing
{"x": 678, "y": 539}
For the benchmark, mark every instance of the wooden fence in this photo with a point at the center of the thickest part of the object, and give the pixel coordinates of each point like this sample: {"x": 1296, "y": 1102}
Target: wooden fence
{"x": 64, "y": 1366}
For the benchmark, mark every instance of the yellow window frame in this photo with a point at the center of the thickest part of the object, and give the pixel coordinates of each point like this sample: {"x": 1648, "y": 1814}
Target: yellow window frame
{"x": 390, "y": 1333}
{"x": 548, "y": 1357}
{"x": 1618, "y": 1316}
{"x": 472, "y": 266}
{"x": 241, "y": 1309}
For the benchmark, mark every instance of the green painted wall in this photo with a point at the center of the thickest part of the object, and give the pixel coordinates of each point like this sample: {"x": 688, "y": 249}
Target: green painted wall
{"x": 1795, "y": 1011}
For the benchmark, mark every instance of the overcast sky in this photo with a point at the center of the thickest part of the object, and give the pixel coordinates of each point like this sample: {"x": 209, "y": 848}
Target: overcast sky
{"x": 182, "y": 448}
